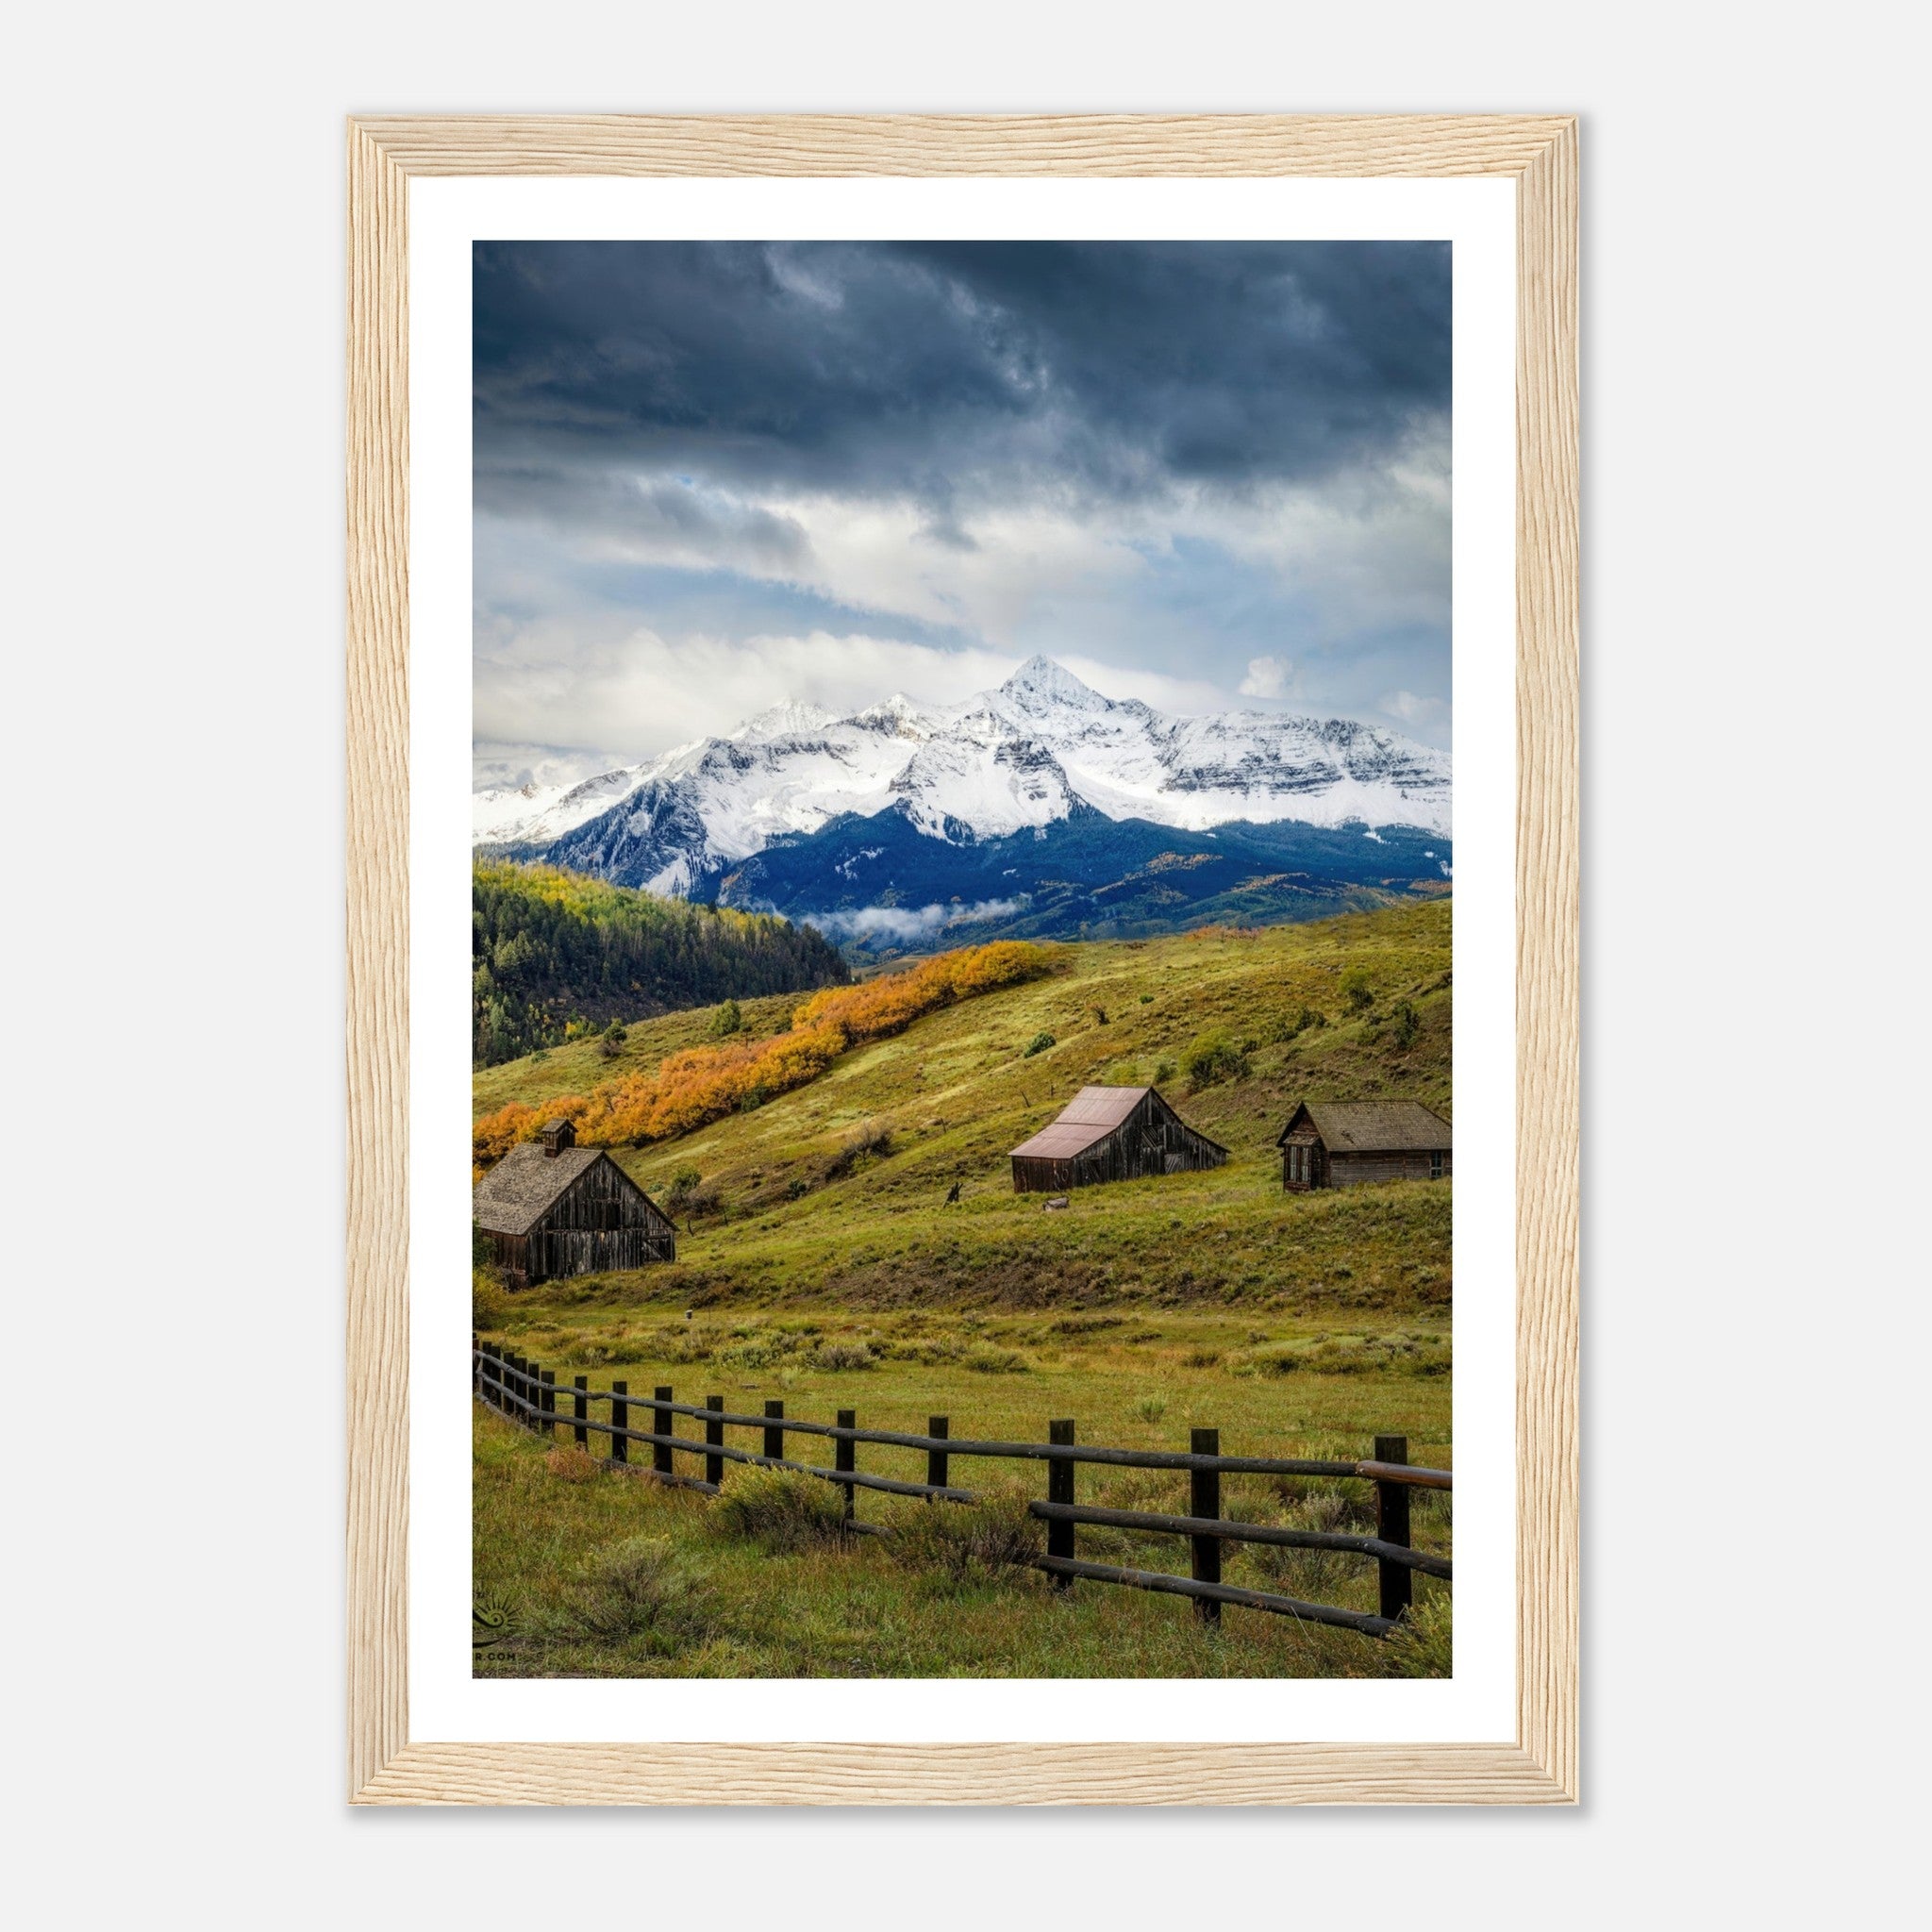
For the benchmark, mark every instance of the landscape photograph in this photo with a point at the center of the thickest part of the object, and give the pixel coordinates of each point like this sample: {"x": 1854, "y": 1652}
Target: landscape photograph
{"x": 962, "y": 890}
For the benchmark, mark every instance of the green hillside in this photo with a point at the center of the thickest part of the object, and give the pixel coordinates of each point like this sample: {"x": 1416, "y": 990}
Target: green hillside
{"x": 820, "y": 1264}
{"x": 836, "y": 1193}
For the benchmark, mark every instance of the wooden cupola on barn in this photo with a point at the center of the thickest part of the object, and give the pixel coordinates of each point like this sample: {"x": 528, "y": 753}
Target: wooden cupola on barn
{"x": 551, "y": 1207}
{"x": 1342, "y": 1143}
{"x": 1110, "y": 1134}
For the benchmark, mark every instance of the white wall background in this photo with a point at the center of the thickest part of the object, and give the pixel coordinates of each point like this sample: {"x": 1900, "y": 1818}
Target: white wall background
{"x": 1754, "y": 437}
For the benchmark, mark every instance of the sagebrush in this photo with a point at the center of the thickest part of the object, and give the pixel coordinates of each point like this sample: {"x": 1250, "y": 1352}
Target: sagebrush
{"x": 779, "y": 1508}
{"x": 642, "y": 1585}
{"x": 964, "y": 1542}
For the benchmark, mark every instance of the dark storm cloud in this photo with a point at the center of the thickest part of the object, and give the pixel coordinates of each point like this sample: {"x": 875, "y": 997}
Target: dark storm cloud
{"x": 619, "y": 512}
{"x": 711, "y": 474}
{"x": 956, "y": 373}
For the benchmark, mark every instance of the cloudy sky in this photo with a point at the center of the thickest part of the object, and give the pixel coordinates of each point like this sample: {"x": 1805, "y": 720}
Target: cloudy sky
{"x": 709, "y": 476}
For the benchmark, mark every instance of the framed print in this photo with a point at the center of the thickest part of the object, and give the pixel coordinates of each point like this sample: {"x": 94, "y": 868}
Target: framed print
{"x": 962, "y": 939}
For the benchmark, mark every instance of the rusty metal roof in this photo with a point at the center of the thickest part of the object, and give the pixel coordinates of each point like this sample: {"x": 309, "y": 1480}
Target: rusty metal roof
{"x": 1090, "y": 1116}
{"x": 526, "y": 1184}
{"x": 1372, "y": 1127}
{"x": 1102, "y": 1106}
{"x": 1059, "y": 1142}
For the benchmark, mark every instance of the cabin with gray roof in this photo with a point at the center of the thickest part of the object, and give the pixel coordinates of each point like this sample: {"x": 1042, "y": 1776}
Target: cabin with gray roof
{"x": 1110, "y": 1134}
{"x": 1344, "y": 1144}
{"x": 550, "y": 1208}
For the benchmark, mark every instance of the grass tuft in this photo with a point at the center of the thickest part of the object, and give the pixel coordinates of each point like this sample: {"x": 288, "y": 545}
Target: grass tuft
{"x": 640, "y": 1586}
{"x": 871, "y": 1140}
{"x": 778, "y": 1508}
{"x": 1424, "y": 1646}
{"x": 966, "y": 1542}
{"x": 997, "y": 1361}
{"x": 842, "y": 1358}
{"x": 1316, "y": 1576}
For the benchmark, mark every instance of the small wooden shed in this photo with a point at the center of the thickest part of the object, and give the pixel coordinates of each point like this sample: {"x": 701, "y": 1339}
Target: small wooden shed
{"x": 551, "y": 1207}
{"x": 1342, "y": 1143}
{"x": 1110, "y": 1134}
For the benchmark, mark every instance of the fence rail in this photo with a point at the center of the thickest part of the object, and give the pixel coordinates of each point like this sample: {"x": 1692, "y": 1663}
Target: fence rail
{"x": 528, "y": 1393}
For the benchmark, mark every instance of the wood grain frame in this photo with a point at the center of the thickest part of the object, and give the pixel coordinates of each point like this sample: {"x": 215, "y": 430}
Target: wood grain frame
{"x": 386, "y": 1765}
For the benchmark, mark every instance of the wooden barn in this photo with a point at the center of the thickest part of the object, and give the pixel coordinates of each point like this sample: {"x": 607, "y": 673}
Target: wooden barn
{"x": 1110, "y": 1134}
{"x": 1342, "y": 1143}
{"x": 551, "y": 1207}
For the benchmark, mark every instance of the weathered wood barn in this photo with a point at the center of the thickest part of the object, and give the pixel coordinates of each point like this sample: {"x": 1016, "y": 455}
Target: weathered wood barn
{"x": 1342, "y": 1143}
{"x": 551, "y": 1207}
{"x": 1110, "y": 1134}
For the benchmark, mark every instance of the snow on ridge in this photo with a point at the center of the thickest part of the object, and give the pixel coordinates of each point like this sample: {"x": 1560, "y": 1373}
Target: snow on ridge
{"x": 788, "y": 718}
{"x": 532, "y": 814}
{"x": 1024, "y": 755}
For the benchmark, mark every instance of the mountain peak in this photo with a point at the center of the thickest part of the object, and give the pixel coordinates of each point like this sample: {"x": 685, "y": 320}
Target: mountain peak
{"x": 1027, "y": 753}
{"x": 1044, "y": 678}
{"x": 787, "y": 716}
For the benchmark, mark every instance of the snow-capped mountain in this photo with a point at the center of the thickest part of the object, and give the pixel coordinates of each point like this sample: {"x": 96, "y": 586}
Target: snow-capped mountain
{"x": 1037, "y": 750}
{"x": 500, "y": 814}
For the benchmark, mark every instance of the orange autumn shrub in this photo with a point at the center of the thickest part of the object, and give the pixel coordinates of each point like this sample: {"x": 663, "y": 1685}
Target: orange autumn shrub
{"x": 876, "y": 1007}
{"x": 495, "y": 1133}
{"x": 703, "y": 1084}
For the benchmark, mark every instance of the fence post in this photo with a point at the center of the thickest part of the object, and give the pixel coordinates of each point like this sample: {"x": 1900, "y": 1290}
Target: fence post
{"x": 492, "y": 1377}
{"x": 1204, "y": 1499}
{"x": 475, "y": 1364}
{"x": 660, "y": 1425}
{"x": 522, "y": 1392}
{"x": 1059, "y": 1489}
{"x": 1392, "y": 1526}
{"x": 509, "y": 1386}
{"x": 774, "y": 1439}
{"x": 620, "y": 1419}
{"x": 714, "y": 1436}
{"x": 845, "y": 1459}
{"x": 580, "y": 1408}
{"x": 550, "y": 1405}
{"x": 937, "y": 1460}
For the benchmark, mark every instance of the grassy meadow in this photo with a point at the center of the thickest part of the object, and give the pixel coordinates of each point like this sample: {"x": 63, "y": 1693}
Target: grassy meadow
{"x": 821, "y": 1262}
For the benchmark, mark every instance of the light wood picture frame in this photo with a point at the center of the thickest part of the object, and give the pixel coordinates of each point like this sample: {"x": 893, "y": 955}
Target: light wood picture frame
{"x": 387, "y": 1766}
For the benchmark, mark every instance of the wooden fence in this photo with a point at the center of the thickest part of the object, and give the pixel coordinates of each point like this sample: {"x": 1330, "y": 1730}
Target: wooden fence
{"x": 528, "y": 1393}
